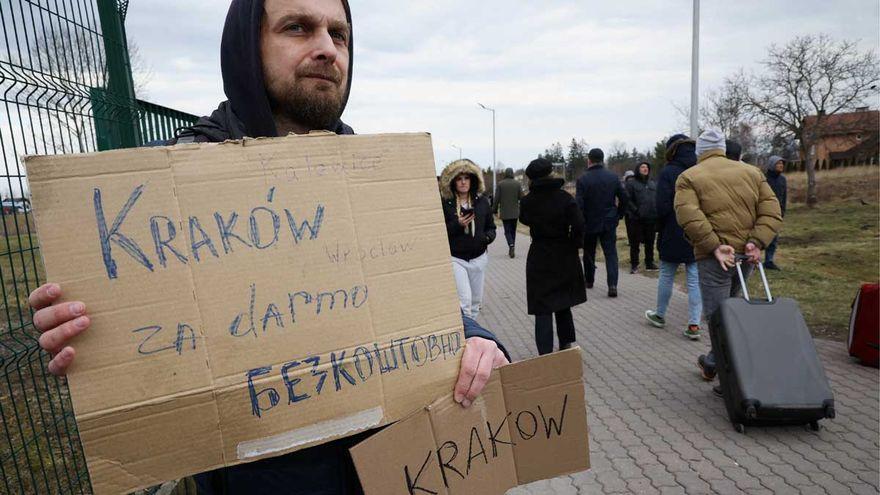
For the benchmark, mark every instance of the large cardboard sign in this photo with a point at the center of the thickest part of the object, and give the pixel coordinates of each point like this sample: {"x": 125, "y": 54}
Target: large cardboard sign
{"x": 248, "y": 298}
{"x": 530, "y": 423}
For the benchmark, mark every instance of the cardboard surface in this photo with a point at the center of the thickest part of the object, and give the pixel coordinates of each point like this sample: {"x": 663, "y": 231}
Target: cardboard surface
{"x": 530, "y": 423}
{"x": 247, "y": 298}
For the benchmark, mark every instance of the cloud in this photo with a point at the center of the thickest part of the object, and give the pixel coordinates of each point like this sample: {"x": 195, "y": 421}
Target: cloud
{"x": 602, "y": 71}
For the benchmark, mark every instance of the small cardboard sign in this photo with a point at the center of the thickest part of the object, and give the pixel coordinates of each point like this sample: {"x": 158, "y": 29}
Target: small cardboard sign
{"x": 247, "y": 298}
{"x": 529, "y": 423}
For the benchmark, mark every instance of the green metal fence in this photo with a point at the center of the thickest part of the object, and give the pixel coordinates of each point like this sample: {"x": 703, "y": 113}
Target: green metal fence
{"x": 65, "y": 87}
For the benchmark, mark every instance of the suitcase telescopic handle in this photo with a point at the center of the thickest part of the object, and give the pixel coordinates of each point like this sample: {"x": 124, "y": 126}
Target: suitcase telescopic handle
{"x": 742, "y": 279}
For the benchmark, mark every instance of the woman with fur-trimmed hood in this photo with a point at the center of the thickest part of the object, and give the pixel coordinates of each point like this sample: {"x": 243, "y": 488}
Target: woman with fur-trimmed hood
{"x": 470, "y": 229}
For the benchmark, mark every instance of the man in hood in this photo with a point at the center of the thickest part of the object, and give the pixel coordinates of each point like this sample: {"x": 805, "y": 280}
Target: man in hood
{"x": 642, "y": 214}
{"x": 286, "y": 67}
{"x": 777, "y": 181}
{"x": 725, "y": 209}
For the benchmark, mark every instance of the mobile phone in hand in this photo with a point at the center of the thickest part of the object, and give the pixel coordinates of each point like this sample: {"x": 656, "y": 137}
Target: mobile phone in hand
{"x": 466, "y": 211}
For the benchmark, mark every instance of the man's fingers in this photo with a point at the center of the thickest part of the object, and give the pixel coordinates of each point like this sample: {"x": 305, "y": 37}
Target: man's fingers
{"x": 52, "y": 316}
{"x": 500, "y": 359}
{"x": 57, "y": 338}
{"x": 59, "y": 364}
{"x": 469, "y": 361}
{"x": 44, "y": 295}
{"x": 484, "y": 371}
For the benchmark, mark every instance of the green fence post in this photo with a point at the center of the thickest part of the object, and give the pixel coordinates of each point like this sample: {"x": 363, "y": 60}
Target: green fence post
{"x": 120, "y": 85}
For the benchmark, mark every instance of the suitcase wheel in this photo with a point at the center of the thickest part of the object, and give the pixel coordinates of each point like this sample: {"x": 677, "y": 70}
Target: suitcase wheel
{"x": 740, "y": 428}
{"x": 751, "y": 412}
{"x": 814, "y": 425}
{"x": 829, "y": 412}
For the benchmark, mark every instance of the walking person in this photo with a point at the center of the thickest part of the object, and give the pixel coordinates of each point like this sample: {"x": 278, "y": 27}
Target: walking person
{"x": 733, "y": 150}
{"x": 779, "y": 184}
{"x": 554, "y": 277}
{"x": 470, "y": 229}
{"x": 641, "y": 192}
{"x": 632, "y": 236}
{"x": 602, "y": 199}
{"x": 725, "y": 209}
{"x": 507, "y": 206}
{"x": 673, "y": 248}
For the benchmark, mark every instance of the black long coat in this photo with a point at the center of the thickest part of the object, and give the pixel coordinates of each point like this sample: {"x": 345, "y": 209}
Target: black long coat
{"x": 554, "y": 274}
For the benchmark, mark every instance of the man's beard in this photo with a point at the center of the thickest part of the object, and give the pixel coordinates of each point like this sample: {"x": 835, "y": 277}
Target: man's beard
{"x": 307, "y": 106}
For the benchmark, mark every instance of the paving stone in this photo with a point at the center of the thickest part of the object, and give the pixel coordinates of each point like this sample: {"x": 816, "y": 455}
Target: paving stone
{"x": 655, "y": 425}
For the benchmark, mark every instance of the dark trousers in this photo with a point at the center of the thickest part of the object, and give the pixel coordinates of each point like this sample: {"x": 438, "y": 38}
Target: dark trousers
{"x": 608, "y": 241}
{"x": 716, "y": 285}
{"x": 771, "y": 250}
{"x": 510, "y": 231}
{"x": 644, "y": 233}
{"x": 632, "y": 237}
{"x": 544, "y": 330}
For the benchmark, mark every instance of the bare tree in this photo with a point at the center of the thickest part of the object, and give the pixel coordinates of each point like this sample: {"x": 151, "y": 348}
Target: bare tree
{"x": 727, "y": 110}
{"x": 73, "y": 65}
{"x": 724, "y": 109}
{"x": 811, "y": 75}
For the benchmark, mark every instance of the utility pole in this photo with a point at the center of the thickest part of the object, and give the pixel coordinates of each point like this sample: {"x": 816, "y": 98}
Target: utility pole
{"x": 459, "y": 151}
{"x": 695, "y": 73}
{"x": 494, "y": 163}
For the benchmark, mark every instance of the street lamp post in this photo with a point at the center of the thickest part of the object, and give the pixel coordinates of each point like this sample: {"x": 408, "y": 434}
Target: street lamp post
{"x": 695, "y": 72}
{"x": 459, "y": 150}
{"x": 494, "y": 163}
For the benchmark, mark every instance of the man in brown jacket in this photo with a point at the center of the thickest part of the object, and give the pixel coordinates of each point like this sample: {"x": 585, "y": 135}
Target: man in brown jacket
{"x": 725, "y": 209}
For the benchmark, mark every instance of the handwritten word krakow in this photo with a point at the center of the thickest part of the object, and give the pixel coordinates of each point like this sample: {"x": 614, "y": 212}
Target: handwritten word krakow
{"x": 260, "y": 229}
{"x": 453, "y": 460}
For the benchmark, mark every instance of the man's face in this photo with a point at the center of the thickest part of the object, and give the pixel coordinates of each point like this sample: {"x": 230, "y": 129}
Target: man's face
{"x": 463, "y": 183}
{"x": 304, "y": 49}
{"x": 643, "y": 169}
{"x": 780, "y": 166}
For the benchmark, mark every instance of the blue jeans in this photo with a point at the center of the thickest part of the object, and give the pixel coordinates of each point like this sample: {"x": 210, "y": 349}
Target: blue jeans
{"x": 664, "y": 290}
{"x": 771, "y": 250}
{"x": 608, "y": 241}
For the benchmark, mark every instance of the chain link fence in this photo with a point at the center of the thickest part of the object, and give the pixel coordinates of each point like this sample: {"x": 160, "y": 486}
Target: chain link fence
{"x": 65, "y": 87}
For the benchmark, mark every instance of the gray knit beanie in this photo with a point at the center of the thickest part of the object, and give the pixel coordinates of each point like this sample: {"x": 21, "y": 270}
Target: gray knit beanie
{"x": 710, "y": 139}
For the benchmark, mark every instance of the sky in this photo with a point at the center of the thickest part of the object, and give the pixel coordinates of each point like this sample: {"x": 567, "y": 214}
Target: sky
{"x": 606, "y": 72}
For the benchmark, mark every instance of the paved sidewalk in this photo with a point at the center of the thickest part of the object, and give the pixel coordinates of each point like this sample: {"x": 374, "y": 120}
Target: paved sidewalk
{"x": 656, "y": 427}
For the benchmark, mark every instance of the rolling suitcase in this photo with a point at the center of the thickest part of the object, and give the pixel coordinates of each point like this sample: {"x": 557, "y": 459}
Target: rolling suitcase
{"x": 864, "y": 326}
{"x": 767, "y": 363}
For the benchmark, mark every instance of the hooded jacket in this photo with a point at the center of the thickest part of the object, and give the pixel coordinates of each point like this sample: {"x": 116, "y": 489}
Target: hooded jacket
{"x": 719, "y": 201}
{"x": 642, "y": 193}
{"x": 671, "y": 244}
{"x": 247, "y": 111}
{"x": 326, "y": 469}
{"x": 468, "y": 242}
{"x": 777, "y": 182}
